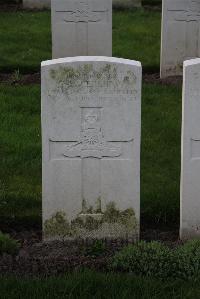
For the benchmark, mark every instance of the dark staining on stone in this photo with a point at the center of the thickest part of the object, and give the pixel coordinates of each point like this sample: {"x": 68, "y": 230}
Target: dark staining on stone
{"x": 71, "y": 80}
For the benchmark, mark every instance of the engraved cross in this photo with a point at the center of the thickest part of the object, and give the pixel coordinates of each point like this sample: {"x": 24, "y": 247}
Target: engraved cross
{"x": 191, "y": 16}
{"x": 91, "y": 148}
{"x": 82, "y": 13}
{"x": 82, "y": 16}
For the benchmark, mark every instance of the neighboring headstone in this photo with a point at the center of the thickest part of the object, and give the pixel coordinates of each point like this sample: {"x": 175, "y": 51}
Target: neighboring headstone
{"x": 81, "y": 27}
{"x": 180, "y": 35}
{"x": 91, "y": 147}
{"x": 36, "y": 4}
{"x": 190, "y": 172}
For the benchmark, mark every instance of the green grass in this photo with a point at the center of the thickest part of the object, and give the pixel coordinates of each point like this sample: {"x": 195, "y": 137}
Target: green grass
{"x": 160, "y": 156}
{"x": 96, "y": 285}
{"x": 20, "y": 149}
{"x": 136, "y": 35}
{"x": 28, "y": 41}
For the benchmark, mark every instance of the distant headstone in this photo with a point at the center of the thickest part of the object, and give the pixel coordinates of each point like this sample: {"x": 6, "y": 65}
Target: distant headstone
{"x": 91, "y": 148}
{"x": 180, "y": 35}
{"x": 81, "y": 27}
{"x": 36, "y": 4}
{"x": 190, "y": 172}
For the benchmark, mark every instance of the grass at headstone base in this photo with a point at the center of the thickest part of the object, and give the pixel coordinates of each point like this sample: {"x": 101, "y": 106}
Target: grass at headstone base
{"x": 136, "y": 35}
{"x": 90, "y": 284}
{"x": 20, "y": 150}
{"x": 152, "y": 2}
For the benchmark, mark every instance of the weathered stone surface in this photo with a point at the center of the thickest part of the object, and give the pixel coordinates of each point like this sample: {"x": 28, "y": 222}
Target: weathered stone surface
{"x": 180, "y": 35}
{"x": 36, "y": 4}
{"x": 81, "y": 27}
{"x": 91, "y": 147}
{"x": 190, "y": 169}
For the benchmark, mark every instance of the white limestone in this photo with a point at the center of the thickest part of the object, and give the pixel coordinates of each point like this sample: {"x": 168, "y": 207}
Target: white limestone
{"x": 180, "y": 35}
{"x": 36, "y": 4}
{"x": 91, "y": 122}
{"x": 190, "y": 164}
{"x": 81, "y": 27}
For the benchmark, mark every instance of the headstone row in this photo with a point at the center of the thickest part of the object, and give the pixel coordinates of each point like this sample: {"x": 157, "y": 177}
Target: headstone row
{"x": 84, "y": 27}
{"x": 91, "y": 122}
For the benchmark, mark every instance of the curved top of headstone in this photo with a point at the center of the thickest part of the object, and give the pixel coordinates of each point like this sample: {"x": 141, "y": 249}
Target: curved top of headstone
{"x": 90, "y": 59}
{"x": 191, "y": 62}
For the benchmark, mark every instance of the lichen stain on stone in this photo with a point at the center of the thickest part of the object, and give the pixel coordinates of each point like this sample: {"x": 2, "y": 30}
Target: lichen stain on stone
{"x": 174, "y": 70}
{"x": 112, "y": 223}
{"x": 72, "y": 79}
{"x": 90, "y": 209}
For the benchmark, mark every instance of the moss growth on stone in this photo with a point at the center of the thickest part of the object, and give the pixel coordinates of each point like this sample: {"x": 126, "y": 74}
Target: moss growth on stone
{"x": 90, "y": 209}
{"x": 57, "y": 225}
{"x": 111, "y": 223}
{"x": 72, "y": 79}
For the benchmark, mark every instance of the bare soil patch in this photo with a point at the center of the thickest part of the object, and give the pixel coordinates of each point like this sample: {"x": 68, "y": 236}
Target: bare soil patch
{"x": 49, "y": 258}
{"x": 19, "y": 79}
{"x": 10, "y": 7}
{"x": 27, "y": 79}
{"x": 155, "y": 78}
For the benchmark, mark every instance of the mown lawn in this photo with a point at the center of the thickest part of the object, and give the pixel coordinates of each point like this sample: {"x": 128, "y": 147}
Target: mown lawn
{"x": 96, "y": 285}
{"x": 136, "y": 35}
{"x": 25, "y": 42}
{"x": 20, "y": 149}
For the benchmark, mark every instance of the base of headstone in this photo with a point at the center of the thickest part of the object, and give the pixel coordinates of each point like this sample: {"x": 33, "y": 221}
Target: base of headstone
{"x": 46, "y": 4}
{"x": 37, "y": 4}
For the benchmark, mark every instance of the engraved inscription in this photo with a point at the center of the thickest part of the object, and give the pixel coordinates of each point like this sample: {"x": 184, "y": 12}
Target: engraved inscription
{"x": 91, "y": 149}
{"x": 191, "y": 16}
{"x": 92, "y": 142}
{"x": 83, "y": 13}
{"x": 81, "y": 16}
{"x": 107, "y": 80}
{"x": 188, "y": 15}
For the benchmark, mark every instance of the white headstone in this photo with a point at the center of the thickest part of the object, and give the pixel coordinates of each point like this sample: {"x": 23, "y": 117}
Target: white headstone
{"x": 81, "y": 27}
{"x": 180, "y": 35}
{"x": 91, "y": 147}
{"x": 36, "y": 4}
{"x": 190, "y": 164}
